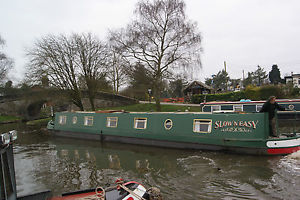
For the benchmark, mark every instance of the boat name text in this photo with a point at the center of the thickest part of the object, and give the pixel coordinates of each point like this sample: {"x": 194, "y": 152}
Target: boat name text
{"x": 244, "y": 124}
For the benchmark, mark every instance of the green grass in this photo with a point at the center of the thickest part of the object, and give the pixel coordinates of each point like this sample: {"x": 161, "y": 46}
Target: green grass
{"x": 38, "y": 122}
{"x": 4, "y": 118}
{"x": 151, "y": 108}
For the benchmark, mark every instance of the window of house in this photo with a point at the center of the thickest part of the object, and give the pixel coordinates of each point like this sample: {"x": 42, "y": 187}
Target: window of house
{"x": 88, "y": 120}
{"x": 112, "y": 122}
{"x": 62, "y": 119}
{"x": 74, "y": 120}
{"x": 238, "y": 107}
{"x": 258, "y": 107}
{"x": 168, "y": 124}
{"x": 140, "y": 123}
{"x": 215, "y": 108}
{"x": 202, "y": 125}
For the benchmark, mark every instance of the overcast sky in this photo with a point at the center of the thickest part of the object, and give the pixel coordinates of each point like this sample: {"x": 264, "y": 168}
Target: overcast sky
{"x": 244, "y": 33}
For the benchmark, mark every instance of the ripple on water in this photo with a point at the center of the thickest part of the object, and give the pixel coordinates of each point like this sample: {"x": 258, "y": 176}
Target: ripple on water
{"x": 63, "y": 165}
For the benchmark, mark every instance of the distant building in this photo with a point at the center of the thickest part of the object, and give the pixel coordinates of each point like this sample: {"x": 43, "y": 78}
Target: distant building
{"x": 197, "y": 87}
{"x": 294, "y": 78}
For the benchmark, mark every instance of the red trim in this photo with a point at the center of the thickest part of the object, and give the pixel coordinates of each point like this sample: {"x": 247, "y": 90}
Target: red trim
{"x": 133, "y": 182}
{"x": 282, "y": 151}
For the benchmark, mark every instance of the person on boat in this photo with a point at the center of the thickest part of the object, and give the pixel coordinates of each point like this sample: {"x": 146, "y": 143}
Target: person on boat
{"x": 270, "y": 106}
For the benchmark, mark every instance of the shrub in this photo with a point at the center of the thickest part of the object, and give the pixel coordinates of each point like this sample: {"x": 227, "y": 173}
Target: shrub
{"x": 229, "y": 96}
{"x": 252, "y": 92}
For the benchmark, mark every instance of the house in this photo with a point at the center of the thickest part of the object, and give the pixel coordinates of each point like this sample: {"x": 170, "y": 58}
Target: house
{"x": 294, "y": 78}
{"x": 197, "y": 87}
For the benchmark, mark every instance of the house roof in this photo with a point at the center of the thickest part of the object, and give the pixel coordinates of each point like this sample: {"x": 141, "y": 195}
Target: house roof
{"x": 194, "y": 84}
{"x": 292, "y": 76}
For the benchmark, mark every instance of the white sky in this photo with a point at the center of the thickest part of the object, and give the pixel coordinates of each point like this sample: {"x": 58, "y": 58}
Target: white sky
{"x": 244, "y": 33}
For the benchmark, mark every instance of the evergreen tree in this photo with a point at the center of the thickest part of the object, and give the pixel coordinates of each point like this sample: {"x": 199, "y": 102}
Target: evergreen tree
{"x": 249, "y": 80}
{"x": 259, "y": 76}
{"x": 274, "y": 75}
{"x": 218, "y": 81}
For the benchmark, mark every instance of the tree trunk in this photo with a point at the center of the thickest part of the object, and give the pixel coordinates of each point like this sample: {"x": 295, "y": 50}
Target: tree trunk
{"x": 76, "y": 99}
{"x": 157, "y": 96}
{"x": 157, "y": 102}
{"x": 91, "y": 98}
{"x": 92, "y": 88}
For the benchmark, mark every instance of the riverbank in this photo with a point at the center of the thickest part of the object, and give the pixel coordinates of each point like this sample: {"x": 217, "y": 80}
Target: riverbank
{"x": 4, "y": 119}
{"x": 38, "y": 122}
{"x": 146, "y": 107}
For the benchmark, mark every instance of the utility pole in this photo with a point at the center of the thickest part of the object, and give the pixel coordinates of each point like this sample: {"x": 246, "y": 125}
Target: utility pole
{"x": 225, "y": 72}
{"x": 243, "y": 79}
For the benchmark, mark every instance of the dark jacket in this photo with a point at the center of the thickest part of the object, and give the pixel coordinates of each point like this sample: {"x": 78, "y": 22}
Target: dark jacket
{"x": 270, "y": 108}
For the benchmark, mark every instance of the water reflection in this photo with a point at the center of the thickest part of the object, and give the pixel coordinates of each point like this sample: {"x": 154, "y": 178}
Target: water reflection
{"x": 63, "y": 165}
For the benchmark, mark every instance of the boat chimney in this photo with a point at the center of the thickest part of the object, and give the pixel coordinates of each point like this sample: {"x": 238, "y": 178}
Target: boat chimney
{"x": 292, "y": 73}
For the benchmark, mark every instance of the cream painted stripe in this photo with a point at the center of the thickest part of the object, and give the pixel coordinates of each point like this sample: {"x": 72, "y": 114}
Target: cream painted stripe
{"x": 284, "y": 143}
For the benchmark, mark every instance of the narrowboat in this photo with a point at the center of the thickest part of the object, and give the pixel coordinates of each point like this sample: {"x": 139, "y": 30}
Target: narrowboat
{"x": 122, "y": 190}
{"x": 234, "y": 132}
{"x": 292, "y": 107}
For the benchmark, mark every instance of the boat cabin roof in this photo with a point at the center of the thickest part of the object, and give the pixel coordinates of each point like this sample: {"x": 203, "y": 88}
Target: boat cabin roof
{"x": 250, "y": 102}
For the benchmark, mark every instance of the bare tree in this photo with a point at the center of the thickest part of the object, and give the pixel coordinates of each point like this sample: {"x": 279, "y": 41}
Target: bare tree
{"x": 92, "y": 59}
{"x": 67, "y": 61}
{"x": 6, "y": 63}
{"x": 117, "y": 69}
{"x": 162, "y": 39}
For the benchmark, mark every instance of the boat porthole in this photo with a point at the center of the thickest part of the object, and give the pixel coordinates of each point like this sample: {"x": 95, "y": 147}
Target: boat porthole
{"x": 291, "y": 107}
{"x": 168, "y": 124}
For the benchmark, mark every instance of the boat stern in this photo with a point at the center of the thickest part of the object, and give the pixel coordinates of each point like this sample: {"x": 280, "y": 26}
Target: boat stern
{"x": 283, "y": 146}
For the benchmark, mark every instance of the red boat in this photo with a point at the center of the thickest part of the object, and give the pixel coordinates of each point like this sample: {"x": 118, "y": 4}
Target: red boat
{"x": 122, "y": 191}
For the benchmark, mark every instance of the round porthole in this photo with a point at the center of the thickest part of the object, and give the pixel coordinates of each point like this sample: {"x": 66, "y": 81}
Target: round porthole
{"x": 291, "y": 107}
{"x": 168, "y": 124}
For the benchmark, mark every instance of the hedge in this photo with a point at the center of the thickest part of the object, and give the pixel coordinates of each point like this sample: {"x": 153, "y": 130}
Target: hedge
{"x": 251, "y": 92}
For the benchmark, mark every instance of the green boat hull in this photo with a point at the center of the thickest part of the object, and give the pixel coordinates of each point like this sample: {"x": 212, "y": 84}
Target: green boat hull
{"x": 239, "y": 133}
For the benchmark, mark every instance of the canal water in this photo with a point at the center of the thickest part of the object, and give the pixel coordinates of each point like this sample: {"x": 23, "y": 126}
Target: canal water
{"x": 44, "y": 162}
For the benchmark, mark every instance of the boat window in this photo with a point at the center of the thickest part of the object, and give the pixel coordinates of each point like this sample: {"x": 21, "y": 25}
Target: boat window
{"x": 258, "y": 107}
{"x": 202, "y": 125}
{"x": 88, "y": 120}
{"x": 249, "y": 108}
{"x": 112, "y": 122}
{"x": 297, "y": 106}
{"x": 237, "y": 107}
{"x": 168, "y": 124}
{"x": 227, "y": 107}
{"x": 74, "y": 120}
{"x": 215, "y": 108}
{"x": 140, "y": 123}
{"x": 62, "y": 119}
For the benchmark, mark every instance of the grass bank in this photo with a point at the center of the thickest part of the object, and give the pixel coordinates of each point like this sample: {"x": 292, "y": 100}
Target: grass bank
{"x": 37, "y": 122}
{"x": 8, "y": 119}
{"x": 151, "y": 108}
